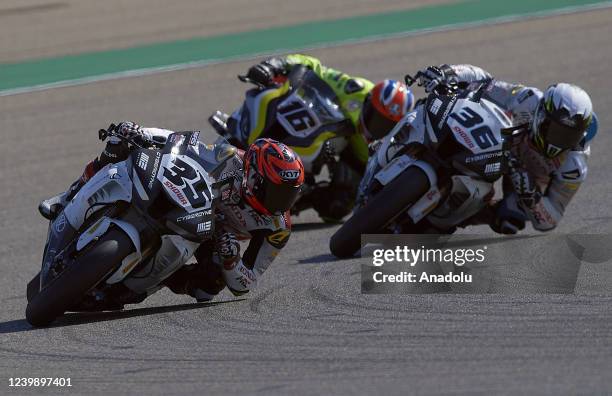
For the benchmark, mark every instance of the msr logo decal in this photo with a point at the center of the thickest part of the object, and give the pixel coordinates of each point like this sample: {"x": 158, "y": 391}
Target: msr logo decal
{"x": 435, "y": 106}
{"x": 143, "y": 161}
{"x": 204, "y": 227}
{"x": 493, "y": 168}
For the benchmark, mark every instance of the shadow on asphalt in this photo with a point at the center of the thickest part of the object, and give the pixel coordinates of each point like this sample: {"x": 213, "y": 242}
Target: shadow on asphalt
{"x": 79, "y": 318}
{"x": 322, "y": 259}
{"x": 311, "y": 226}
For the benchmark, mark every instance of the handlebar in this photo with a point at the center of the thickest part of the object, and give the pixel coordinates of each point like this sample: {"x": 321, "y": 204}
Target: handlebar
{"x": 245, "y": 79}
{"x": 444, "y": 88}
{"x": 137, "y": 140}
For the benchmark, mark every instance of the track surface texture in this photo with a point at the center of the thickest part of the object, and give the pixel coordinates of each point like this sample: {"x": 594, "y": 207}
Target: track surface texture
{"x": 308, "y": 329}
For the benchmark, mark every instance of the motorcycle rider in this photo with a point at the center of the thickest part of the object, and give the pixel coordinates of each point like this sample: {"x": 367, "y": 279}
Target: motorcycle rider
{"x": 373, "y": 110}
{"x": 266, "y": 182}
{"x": 549, "y": 162}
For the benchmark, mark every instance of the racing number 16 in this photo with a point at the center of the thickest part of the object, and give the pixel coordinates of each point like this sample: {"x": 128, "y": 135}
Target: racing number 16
{"x": 483, "y": 135}
{"x": 298, "y": 116}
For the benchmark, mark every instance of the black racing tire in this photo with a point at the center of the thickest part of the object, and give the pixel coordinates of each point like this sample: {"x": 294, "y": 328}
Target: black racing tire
{"x": 379, "y": 211}
{"x": 33, "y": 287}
{"x": 83, "y": 274}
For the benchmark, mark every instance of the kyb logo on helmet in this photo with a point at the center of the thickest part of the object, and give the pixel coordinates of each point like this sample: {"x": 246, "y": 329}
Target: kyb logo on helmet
{"x": 289, "y": 174}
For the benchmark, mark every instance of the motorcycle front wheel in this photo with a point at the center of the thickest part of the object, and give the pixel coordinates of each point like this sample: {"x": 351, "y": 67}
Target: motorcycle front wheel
{"x": 380, "y": 210}
{"x": 83, "y": 274}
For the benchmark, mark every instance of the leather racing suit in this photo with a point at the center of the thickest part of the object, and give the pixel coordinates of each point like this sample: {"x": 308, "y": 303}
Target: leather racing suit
{"x": 336, "y": 200}
{"x": 266, "y": 236}
{"x": 557, "y": 178}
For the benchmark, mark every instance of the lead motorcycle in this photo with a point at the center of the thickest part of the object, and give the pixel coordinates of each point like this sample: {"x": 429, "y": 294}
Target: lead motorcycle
{"x": 434, "y": 171}
{"x": 116, "y": 222}
{"x": 302, "y": 112}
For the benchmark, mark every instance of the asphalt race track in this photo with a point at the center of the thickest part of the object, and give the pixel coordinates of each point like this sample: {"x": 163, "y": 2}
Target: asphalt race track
{"x": 308, "y": 329}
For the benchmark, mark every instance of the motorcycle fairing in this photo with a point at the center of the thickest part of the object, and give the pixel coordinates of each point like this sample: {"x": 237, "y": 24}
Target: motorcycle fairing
{"x": 303, "y": 113}
{"x": 109, "y": 185}
{"x": 467, "y": 197}
{"x": 187, "y": 174}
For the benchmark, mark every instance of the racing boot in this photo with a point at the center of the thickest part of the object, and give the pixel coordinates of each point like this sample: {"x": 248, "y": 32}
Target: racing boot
{"x": 336, "y": 200}
{"x": 202, "y": 281}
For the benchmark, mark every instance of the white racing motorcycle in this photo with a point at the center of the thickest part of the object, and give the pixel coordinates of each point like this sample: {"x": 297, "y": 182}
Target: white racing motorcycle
{"x": 434, "y": 171}
{"x": 118, "y": 220}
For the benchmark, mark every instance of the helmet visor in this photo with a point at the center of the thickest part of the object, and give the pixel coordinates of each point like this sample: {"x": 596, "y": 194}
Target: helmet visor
{"x": 277, "y": 198}
{"x": 375, "y": 125}
{"x": 560, "y": 135}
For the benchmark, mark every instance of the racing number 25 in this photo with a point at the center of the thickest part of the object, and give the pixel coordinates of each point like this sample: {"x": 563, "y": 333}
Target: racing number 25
{"x": 483, "y": 135}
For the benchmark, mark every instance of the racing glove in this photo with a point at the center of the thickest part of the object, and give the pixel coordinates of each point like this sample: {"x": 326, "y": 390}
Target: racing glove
{"x": 266, "y": 72}
{"x": 128, "y": 130}
{"x": 228, "y": 250}
{"x": 433, "y": 76}
{"x": 525, "y": 187}
{"x": 509, "y": 218}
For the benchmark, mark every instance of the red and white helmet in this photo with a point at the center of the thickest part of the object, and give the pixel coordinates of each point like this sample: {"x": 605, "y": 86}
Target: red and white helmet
{"x": 273, "y": 176}
{"x": 387, "y": 103}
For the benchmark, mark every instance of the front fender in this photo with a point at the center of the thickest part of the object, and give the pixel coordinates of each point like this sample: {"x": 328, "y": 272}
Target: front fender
{"x": 99, "y": 228}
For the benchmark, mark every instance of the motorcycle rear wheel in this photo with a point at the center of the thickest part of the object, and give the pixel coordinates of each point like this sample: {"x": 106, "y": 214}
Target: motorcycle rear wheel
{"x": 82, "y": 275}
{"x": 395, "y": 198}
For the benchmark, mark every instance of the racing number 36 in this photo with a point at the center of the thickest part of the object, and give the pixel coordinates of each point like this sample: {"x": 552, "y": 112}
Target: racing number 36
{"x": 483, "y": 135}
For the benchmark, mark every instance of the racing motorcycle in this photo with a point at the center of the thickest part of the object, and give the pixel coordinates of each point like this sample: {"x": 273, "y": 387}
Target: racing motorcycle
{"x": 303, "y": 113}
{"x": 434, "y": 171}
{"x": 116, "y": 222}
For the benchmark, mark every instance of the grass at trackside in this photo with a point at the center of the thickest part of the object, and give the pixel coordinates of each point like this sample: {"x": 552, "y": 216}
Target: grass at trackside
{"x": 72, "y": 69}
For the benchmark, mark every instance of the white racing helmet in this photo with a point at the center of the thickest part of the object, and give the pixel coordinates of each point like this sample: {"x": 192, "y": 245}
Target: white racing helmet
{"x": 561, "y": 119}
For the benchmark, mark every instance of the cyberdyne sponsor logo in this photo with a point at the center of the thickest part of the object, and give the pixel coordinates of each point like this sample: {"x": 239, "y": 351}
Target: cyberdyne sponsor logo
{"x": 194, "y": 215}
{"x": 449, "y": 107}
{"x": 154, "y": 171}
{"x": 481, "y": 157}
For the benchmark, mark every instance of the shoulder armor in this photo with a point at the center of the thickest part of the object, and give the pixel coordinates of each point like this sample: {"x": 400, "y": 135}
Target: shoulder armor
{"x": 353, "y": 86}
{"x": 574, "y": 168}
